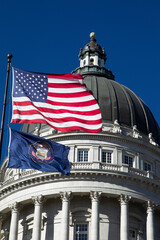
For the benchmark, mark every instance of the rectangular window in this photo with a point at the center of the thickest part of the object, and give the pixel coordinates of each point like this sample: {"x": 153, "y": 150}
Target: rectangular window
{"x": 106, "y": 157}
{"x": 81, "y": 232}
{"x": 147, "y": 166}
{"x": 128, "y": 160}
{"x": 29, "y": 234}
{"x": 132, "y": 235}
{"x": 82, "y": 155}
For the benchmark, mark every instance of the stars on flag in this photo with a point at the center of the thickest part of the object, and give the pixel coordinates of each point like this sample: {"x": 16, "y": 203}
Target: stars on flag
{"x": 33, "y": 86}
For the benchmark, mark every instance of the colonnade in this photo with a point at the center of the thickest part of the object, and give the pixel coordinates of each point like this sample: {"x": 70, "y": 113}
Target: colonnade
{"x": 95, "y": 198}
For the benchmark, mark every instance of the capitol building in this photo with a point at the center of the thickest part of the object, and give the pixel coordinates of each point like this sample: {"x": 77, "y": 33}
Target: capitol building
{"x": 113, "y": 191}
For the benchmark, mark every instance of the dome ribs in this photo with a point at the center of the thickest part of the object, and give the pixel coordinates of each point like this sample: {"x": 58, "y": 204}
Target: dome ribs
{"x": 152, "y": 122}
{"x": 106, "y": 100}
{"x": 124, "y": 113}
{"x": 94, "y": 86}
{"x": 117, "y": 102}
{"x": 140, "y": 114}
{"x": 130, "y": 106}
{"x": 114, "y": 100}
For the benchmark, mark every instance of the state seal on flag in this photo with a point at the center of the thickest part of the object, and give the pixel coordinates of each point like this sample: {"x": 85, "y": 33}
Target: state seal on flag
{"x": 41, "y": 152}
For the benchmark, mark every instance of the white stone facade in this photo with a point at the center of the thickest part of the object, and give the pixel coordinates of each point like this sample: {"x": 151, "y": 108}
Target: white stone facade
{"x": 112, "y": 199}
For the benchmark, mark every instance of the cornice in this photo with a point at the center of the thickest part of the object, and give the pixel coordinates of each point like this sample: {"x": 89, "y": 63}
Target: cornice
{"x": 115, "y": 177}
{"x": 107, "y": 136}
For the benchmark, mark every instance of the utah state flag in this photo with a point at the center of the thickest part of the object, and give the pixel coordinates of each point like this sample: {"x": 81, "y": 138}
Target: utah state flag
{"x": 28, "y": 151}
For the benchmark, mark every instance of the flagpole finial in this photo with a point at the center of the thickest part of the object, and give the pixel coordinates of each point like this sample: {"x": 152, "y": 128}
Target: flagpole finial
{"x": 9, "y": 56}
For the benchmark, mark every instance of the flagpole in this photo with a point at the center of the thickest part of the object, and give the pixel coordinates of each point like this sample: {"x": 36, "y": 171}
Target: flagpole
{"x": 9, "y": 56}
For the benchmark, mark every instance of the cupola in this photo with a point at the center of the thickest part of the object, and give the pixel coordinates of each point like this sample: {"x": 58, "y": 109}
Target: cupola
{"x": 92, "y": 59}
{"x": 92, "y": 54}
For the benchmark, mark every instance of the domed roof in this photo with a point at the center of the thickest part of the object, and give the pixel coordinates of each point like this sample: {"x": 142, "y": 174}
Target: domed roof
{"x": 93, "y": 43}
{"x": 117, "y": 102}
{"x": 93, "y": 47}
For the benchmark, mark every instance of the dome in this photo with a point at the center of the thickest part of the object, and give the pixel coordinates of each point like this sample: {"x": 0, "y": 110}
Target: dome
{"x": 118, "y": 102}
{"x": 93, "y": 45}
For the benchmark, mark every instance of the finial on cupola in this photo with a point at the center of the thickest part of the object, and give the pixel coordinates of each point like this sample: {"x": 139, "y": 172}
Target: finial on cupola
{"x": 92, "y": 59}
{"x": 92, "y": 35}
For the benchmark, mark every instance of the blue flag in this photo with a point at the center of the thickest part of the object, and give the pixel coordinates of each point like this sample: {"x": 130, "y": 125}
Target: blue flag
{"x": 28, "y": 151}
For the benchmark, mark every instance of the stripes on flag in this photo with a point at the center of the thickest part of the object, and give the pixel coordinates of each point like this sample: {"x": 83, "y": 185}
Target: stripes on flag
{"x": 61, "y": 101}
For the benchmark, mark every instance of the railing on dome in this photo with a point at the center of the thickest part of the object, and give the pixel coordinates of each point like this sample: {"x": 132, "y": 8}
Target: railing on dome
{"x": 95, "y": 166}
{"x": 111, "y": 167}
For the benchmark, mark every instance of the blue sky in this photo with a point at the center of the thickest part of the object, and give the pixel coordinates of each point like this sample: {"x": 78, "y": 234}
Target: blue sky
{"x": 46, "y": 36}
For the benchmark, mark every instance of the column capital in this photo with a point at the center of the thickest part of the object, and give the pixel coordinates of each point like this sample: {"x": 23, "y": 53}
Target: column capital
{"x": 65, "y": 196}
{"x": 38, "y": 200}
{"x": 95, "y": 195}
{"x": 124, "y": 199}
{"x": 15, "y": 207}
{"x": 150, "y": 206}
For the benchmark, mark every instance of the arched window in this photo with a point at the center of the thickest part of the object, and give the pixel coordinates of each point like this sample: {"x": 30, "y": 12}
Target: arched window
{"x": 80, "y": 218}
{"x": 91, "y": 61}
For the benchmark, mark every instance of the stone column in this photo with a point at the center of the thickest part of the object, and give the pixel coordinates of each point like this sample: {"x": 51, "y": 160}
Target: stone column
{"x": 38, "y": 200}
{"x": 95, "y": 215}
{"x": 65, "y": 196}
{"x": 124, "y": 220}
{"x": 150, "y": 221}
{"x": 15, "y": 207}
{"x": 96, "y": 60}
{"x": 87, "y": 59}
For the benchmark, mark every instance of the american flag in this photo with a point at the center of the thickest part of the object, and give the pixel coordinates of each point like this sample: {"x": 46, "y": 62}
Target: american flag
{"x": 61, "y": 101}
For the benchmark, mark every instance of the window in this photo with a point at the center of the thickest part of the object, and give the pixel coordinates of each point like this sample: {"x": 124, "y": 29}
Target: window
{"x": 132, "y": 235}
{"x": 106, "y": 157}
{"x": 128, "y": 160}
{"x": 28, "y": 227}
{"x": 81, "y": 232}
{"x": 82, "y": 155}
{"x": 84, "y": 62}
{"x": 147, "y": 166}
{"x": 29, "y": 234}
{"x": 91, "y": 61}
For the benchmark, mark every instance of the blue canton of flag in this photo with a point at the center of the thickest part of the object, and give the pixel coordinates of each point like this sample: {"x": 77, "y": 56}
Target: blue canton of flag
{"x": 32, "y": 85}
{"x": 28, "y": 151}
